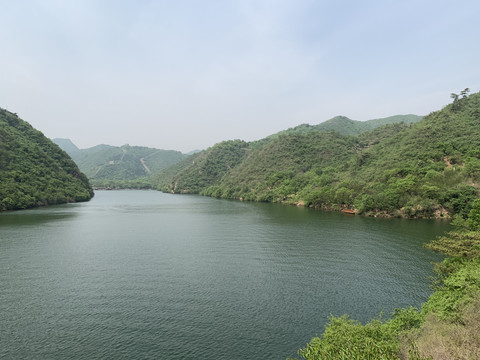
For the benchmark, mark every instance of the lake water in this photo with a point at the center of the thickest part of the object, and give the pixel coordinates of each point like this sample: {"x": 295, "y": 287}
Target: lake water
{"x": 147, "y": 275}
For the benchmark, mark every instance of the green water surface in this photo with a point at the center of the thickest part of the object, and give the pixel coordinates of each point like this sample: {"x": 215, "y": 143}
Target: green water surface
{"x": 147, "y": 275}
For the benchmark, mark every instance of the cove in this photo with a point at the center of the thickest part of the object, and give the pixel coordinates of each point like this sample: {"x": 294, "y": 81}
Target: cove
{"x": 143, "y": 274}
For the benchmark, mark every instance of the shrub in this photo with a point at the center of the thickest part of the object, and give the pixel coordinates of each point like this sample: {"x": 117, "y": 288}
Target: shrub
{"x": 345, "y": 338}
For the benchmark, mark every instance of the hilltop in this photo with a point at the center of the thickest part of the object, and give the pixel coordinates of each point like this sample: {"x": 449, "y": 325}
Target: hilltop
{"x": 33, "y": 170}
{"x": 345, "y": 126}
{"x": 401, "y": 166}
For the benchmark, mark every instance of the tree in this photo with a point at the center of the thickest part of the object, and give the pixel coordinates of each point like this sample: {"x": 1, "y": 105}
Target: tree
{"x": 465, "y": 92}
{"x": 455, "y": 100}
{"x": 473, "y": 220}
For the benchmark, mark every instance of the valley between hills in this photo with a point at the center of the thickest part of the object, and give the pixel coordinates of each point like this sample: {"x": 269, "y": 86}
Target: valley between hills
{"x": 404, "y": 166}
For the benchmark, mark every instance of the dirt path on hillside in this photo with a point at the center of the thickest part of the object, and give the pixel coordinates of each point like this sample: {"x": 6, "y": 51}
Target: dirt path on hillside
{"x": 123, "y": 155}
{"x": 142, "y": 160}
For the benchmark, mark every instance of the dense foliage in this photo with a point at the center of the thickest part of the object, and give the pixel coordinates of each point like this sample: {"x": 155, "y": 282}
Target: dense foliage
{"x": 202, "y": 169}
{"x": 429, "y": 168}
{"x": 33, "y": 170}
{"x": 284, "y": 167}
{"x": 120, "y": 167}
{"x": 345, "y": 338}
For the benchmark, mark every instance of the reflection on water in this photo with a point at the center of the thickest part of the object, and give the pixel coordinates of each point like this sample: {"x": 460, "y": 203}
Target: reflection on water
{"x": 33, "y": 217}
{"x": 141, "y": 274}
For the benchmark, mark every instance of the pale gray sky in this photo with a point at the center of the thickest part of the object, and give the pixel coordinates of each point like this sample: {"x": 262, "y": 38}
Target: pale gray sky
{"x": 185, "y": 75}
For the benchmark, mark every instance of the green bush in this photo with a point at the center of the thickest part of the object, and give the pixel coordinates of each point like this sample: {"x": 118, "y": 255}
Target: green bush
{"x": 345, "y": 338}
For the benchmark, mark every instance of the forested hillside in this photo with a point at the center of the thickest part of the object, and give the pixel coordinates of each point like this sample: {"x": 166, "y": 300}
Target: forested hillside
{"x": 126, "y": 165}
{"x": 429, "y": 168}
{"x": 192, "y": 176}
{"x": 200, "y": 170}
{"x": 33, "y": 170}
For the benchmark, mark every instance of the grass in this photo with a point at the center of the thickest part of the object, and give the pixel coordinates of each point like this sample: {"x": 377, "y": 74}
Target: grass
{"x": 439, "y": 339}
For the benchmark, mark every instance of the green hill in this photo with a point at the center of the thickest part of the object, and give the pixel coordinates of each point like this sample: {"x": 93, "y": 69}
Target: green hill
{"x": 346, "y": 126}
{"x": 112, "y": 165}
{"x": 202, "y": 169}
{"x": 183, "y": 176}
{"x": 275, "y": 172}
{"x": 33, "y": 170}
{"x": 428, "y": 168}
{"x": 341, "y": 124}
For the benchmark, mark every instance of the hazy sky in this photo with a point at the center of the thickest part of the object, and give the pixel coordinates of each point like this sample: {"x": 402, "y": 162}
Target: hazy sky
{"x": 185, "y": 75}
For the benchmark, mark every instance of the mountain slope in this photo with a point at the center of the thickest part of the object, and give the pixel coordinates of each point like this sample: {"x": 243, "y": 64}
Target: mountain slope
{"x": 275, "y": 171}
{"x": 202, "y": 169}
{"x": 429, "y": 168}
{"x": 174, "y": 179}
{"x": 33, "y": 170}
{"x": 111, "y": 163}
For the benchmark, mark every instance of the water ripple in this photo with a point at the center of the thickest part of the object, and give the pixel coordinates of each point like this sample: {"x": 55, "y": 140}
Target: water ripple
{"x": 148, "y": 275}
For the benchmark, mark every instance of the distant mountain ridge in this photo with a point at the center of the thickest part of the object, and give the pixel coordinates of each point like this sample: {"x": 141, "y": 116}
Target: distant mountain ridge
{"x": 345, "y": 126}
{"x": 106, "y": 164}
{"x": 66, "y": 145}
{"x": 119, "y": 163}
